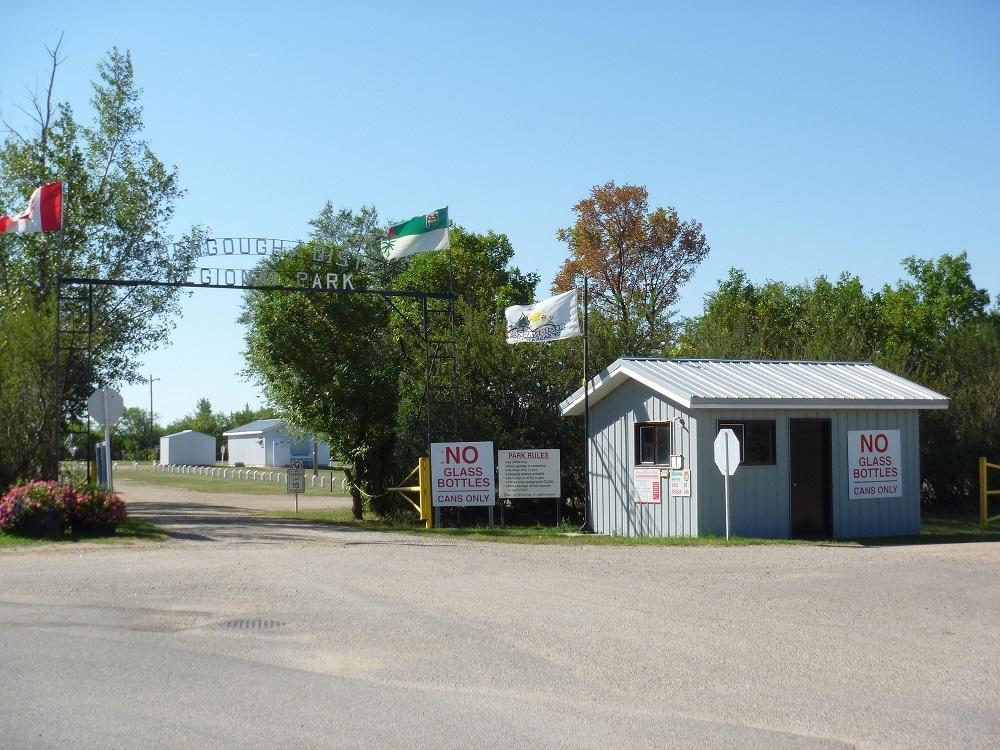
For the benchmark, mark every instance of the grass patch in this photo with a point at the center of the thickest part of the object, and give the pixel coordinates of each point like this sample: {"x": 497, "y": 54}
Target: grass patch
{"x": 144, "y": 475}
{"x": 936, "y": 528}
{"x": 133, "y": 530}
{"x": 559, "y": 535}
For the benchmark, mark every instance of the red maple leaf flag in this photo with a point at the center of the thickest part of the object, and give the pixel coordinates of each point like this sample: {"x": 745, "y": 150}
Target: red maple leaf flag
{"x": 43, "y": 214}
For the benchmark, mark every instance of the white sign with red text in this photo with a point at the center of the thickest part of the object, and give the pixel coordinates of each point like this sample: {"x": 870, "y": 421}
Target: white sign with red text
{"x": 462, "y": 474}
{"x": 873, "y": 464}
{"x": 529, "y": 473}
{"x": 647, "y": 485}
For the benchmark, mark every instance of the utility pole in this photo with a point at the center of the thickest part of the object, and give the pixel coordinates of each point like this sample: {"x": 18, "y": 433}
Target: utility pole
{"x": 152, "y": 447}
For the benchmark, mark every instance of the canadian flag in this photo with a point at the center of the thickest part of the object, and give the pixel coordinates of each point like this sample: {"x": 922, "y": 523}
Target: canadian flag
{"x": 43, "y": 214}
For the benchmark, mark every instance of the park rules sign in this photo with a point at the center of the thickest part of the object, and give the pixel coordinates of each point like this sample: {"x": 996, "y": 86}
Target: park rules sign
{"x": 463, "y": 475}
{"x": 873, "y": 464}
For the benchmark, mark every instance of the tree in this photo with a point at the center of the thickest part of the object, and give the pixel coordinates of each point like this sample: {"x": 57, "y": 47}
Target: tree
{"x": 935, "y": 328}
{"x": 774, "y": 320}
{"x": 353, "y": 367}
{"x": 119, "y": 201}
{"x": 130, "y": 434}
{"x": 324, "y": 359}
{"x": 636, "y": 261}
{"x": 202, "y": 420}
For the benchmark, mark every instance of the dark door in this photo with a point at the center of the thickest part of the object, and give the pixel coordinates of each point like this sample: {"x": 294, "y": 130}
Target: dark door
{"x": 810, "y": 462}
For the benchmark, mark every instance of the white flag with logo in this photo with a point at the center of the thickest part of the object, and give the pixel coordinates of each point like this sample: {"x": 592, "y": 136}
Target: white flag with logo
{"x": 549, "y": 320}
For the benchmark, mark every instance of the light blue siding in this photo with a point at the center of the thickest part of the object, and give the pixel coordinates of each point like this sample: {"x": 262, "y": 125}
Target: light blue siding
{"x": 759, "y": 495}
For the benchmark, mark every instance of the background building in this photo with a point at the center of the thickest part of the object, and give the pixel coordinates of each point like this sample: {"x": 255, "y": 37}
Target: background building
{"x": 187, "y": 448}
{"x": 266, "y": 442}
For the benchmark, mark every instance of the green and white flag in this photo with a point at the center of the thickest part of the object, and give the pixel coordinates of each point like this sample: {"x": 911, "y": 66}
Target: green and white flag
{"x": 421, "y": 234}
{"x": 549, "y": 320}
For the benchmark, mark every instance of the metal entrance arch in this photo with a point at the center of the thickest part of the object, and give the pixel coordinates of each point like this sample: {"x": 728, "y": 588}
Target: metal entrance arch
{"x": 76, "y": 327}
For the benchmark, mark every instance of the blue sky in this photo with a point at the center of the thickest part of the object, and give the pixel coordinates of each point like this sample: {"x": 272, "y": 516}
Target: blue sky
{"x": 807, "y": 137}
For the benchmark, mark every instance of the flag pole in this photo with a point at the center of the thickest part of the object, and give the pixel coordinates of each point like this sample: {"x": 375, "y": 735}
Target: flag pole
{"x": 586, "y": 408}
{"x": 59, "y": 373}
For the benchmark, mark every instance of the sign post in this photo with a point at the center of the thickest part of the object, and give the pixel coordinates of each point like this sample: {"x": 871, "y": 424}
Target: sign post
{"x": 727, "y": 458}
{"x": 295, "y": 481}
{"x": 106, "y": 406}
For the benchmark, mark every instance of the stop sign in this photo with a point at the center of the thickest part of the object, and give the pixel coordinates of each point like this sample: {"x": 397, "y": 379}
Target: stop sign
{"x": 106, "y": 406}
{"x": 727, "y": 452}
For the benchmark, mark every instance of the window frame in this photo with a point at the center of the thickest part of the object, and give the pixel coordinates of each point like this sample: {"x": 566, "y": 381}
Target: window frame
{"x": 740, "y": 433}
{"x": 660, "y": 451}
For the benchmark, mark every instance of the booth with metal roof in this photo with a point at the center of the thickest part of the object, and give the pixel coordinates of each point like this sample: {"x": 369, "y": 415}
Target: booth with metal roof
{"x": 827, "y": 449}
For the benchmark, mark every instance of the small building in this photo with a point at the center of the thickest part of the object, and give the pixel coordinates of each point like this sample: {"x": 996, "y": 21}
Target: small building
{"x": 827, "y": 449}
{"x": 266, "y": 442}
{"x": 187, "y": 448}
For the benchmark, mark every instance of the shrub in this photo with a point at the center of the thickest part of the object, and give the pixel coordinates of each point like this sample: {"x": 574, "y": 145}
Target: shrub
{"x": 92, "y": 509}
{"x": 36, "y": 508}
{"x": 45, "y": 509}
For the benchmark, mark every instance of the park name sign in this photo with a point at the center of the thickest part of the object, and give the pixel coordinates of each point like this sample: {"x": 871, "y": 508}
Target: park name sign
{"x": 346, "y": 259}
{"x": 462, "y": 475}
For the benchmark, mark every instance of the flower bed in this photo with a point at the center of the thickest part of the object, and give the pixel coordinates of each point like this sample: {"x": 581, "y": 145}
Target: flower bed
{"x": 48, "y": 509}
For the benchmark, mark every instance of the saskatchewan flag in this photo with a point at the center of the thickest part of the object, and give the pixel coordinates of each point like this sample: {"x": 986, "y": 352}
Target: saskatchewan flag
{"x": 420, "y": 234}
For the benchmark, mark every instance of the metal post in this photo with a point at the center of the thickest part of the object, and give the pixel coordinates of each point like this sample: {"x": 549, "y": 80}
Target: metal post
{"x": 152, "y": 439}
{"x": 983, "y": 497}
{"x": 107, "y": 442}
{"x": 727, "y": 490}
{"x": 586, "y": 409}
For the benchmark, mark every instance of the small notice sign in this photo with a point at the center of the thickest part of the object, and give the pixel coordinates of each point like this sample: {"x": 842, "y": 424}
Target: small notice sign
{"x": 296, "y": 481}
{"x": 647, "y": 485}
{"x": 529, "y": 473}
{"x": 680, "y": 483}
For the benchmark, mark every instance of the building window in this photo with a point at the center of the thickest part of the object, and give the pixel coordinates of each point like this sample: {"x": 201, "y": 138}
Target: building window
{"x": 652, "y": 444}
{"x": 756, "y": 436}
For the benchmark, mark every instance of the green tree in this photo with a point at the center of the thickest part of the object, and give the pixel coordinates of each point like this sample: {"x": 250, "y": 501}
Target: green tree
{"x": 352, "y": 367}
{"x": 935, "y": 328}
{"x": 202, "y": 420}
{"x": 774, "y": 320}
{"x": 325, "y": 359}
{"x": 120, "y": 197}
{"x": 131, "y": 434}
{"x": 636, "y": 260}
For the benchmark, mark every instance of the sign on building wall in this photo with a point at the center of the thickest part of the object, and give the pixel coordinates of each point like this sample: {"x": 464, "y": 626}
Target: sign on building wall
{"x": 680, "y": 483}
{"x": 873, "y": 463}
{"x": 529, "y": 473}
{"x": 462, "y": 474}
{"x": 647, "y": 485}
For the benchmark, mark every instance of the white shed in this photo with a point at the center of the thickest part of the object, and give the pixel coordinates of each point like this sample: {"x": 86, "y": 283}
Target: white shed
{"x": 188, "y": 448}
{"x": 266, "y": 442}
{"x": 828, "y": 449}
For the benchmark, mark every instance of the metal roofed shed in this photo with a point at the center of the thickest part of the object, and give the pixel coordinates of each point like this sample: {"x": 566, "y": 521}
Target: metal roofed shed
{"x": 828, "y": 449}
{"x": 187, "y": 448}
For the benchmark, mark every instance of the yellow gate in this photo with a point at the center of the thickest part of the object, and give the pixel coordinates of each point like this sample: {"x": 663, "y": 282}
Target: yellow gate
{"x": 984, "y": 494}
{"x": 422, "y": 489}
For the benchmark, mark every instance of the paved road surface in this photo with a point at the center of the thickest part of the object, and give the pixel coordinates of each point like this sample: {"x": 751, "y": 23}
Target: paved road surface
{"x": 252, "y": 633}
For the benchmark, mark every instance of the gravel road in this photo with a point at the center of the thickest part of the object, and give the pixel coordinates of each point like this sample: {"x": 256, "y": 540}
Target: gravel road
{"x": 242, "y": 631}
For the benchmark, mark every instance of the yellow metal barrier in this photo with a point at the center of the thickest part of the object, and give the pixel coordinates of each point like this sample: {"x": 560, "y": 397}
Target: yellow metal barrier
{"x": 422, "y": 489}
{"x": 984, "y": 494}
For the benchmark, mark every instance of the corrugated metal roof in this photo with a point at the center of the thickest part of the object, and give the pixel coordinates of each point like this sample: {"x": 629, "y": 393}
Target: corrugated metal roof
{"x": 254, "y": 428}
{"x": 720, "y": 383}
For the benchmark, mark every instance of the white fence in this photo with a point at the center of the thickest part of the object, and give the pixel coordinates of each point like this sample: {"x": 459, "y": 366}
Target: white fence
{"x": 245, "y": 474}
